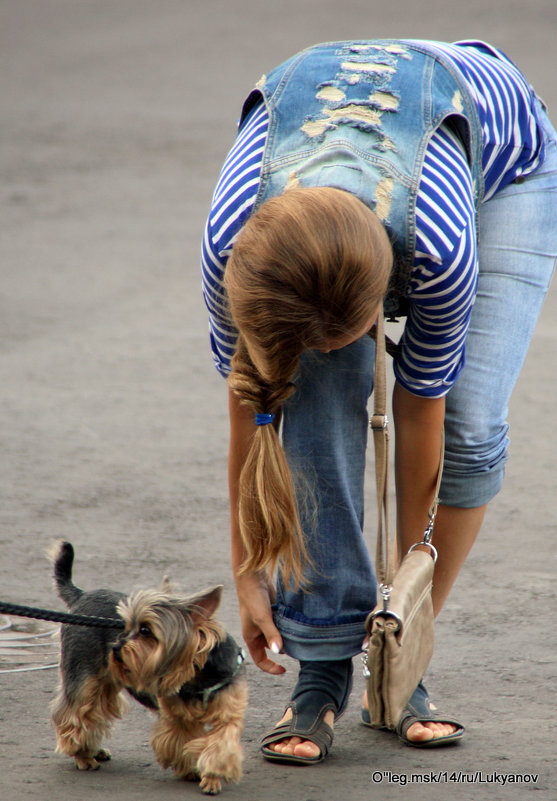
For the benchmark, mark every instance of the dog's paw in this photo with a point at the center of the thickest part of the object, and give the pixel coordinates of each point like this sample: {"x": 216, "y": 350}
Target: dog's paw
{"x": 86, "y": 763}
{"x": 210, "y": 785}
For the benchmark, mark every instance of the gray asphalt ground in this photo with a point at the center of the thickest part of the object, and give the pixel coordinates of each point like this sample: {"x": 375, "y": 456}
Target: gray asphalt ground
{"x": 115, "y": 118}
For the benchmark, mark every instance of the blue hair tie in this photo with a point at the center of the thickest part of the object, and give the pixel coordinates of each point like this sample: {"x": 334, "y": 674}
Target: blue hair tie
{"x": 264, "y": 419}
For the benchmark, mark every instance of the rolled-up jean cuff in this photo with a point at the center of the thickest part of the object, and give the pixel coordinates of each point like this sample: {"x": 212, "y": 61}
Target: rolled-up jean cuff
{"x": 471, "y": 490}
{"x": 319, "y": 642}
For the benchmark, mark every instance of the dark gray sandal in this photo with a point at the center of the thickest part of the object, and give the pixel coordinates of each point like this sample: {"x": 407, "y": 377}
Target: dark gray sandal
{"x": 419, "y": 710}
{"x": 321, "y": 686}
{"x": 304, "y": 724}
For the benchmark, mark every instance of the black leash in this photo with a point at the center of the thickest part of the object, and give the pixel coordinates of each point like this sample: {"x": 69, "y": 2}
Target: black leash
{"x": 61, "y": 617}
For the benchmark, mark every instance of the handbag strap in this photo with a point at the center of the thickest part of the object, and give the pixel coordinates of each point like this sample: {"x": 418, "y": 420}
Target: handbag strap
{"x": 379, "y": 423}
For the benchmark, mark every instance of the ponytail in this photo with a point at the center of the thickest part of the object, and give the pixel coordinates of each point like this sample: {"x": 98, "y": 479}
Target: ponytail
{"x": 267, "y": 510}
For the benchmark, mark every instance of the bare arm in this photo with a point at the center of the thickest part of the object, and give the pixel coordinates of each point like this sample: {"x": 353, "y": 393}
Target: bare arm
{"x": 418, "y": 432}
{"x": 255, "y": 591}
{"x": 419, "y": 423}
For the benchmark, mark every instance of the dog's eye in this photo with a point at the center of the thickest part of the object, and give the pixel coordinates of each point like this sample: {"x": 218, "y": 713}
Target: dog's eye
{"x": 145, "y": 631}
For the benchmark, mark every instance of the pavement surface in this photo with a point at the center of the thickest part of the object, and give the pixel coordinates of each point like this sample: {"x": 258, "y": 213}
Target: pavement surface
{"x": 116, "y": 117}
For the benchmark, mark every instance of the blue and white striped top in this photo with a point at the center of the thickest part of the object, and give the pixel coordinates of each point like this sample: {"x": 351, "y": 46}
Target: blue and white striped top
{"x": 443, "y": 281}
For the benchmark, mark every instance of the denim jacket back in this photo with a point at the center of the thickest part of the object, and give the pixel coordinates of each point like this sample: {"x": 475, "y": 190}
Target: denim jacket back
{"x": 358, "y": 116}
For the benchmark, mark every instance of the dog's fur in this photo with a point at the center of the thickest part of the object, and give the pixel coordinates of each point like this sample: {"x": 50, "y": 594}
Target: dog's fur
{"x": 158, "y": 659}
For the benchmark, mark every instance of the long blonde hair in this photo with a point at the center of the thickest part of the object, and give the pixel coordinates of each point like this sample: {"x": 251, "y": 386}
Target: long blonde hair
{"x": 308, "y": 267}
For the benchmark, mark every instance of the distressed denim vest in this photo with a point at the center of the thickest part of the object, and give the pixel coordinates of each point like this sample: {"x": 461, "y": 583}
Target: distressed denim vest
{"x": 358, "y": 116}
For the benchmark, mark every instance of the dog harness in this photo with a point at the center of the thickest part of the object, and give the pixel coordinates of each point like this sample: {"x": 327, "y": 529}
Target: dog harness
{"x": 221, "y": 668}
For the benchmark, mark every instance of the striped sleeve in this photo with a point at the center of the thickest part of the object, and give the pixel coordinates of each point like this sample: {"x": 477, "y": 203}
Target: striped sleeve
{"x": 233, "y": 202}
{"x": 444, "y": 277}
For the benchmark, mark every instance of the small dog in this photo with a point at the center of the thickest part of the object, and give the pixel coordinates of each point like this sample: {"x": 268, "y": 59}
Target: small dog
{"x": 173, "y": 657}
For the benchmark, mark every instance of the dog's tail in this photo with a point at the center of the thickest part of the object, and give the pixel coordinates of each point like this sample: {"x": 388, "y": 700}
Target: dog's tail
{"x": 62, "y": 555}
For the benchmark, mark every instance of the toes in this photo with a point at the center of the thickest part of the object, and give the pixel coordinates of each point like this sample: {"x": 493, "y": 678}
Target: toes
{"x": 440, "y": 729}
{"x": 307, "y": 749}
{"x": 285, "y": 746}
{"x": 429, "y": 730}
{"x": 418, "y": 733}
{"x": 295, "y": 746}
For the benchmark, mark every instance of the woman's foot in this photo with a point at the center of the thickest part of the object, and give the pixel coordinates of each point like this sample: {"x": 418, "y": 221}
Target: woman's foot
{"x": 416, "y": 729}
{"x": 421, "y": 732}
{"x": 296, "y": 746}
{"x": 305, "y": 732}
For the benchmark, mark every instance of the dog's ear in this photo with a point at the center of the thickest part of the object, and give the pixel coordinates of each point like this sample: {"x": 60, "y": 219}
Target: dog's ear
{"x": 205, "y": 604}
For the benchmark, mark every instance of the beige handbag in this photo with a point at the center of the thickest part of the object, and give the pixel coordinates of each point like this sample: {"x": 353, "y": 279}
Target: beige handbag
{"x": 401, "y": 627}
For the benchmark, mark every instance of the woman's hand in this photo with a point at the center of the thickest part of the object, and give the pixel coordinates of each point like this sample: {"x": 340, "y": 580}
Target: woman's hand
{"x": 255, "y": 595}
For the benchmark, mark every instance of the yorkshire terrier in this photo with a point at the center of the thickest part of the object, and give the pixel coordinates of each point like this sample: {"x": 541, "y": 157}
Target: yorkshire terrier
{"x": 173, "y": 657}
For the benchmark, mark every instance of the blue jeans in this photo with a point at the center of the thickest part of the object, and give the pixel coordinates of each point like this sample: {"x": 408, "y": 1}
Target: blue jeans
{"x": 325, "y": 421}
